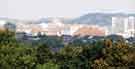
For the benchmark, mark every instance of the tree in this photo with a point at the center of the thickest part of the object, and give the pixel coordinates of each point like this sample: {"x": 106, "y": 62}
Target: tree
{"x": 48, "y": 65}
{"x": 43, "y": 54}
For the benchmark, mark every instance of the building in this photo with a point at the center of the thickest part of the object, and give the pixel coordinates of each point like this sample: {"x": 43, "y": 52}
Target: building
{"x": 91, "y": 31}
{"x": 54, "y": 28}
{"x": 124, "y": 26}
{"x": 130, "y": 26}
{"x": 69, "y": 29}
{"x": 23, "y": 26}
{"x": 118, "y": 25}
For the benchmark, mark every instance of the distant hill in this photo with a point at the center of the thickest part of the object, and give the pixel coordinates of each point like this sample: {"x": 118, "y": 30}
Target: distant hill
{"x": 101, "y": 19}
{"x": 93, "y": 18}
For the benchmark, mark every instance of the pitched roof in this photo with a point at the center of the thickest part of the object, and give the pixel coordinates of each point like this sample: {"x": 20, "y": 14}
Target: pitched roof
{"x": 92, "y": 31}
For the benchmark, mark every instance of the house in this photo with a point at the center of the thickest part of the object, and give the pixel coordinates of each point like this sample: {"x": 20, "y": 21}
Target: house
{"x": 90, "y": 31}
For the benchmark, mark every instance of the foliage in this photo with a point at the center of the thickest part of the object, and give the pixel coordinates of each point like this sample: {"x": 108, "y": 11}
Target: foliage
{"x": 14, "y": 55}
{"x": 48, "y": 65}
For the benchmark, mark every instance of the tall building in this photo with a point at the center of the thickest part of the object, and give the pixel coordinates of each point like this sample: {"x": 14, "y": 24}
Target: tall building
{"x": 124, "y": 26}
{"x": 131, "y": 21}
{"x": 118, "y": 25}
{"x": 130, "y": 26}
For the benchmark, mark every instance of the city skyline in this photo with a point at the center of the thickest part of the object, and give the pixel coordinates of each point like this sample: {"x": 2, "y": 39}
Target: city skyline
{"x": 34, "y": 9}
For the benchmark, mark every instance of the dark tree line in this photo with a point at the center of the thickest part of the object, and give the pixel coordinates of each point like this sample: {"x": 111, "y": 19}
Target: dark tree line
{"x": 103, "y": 53}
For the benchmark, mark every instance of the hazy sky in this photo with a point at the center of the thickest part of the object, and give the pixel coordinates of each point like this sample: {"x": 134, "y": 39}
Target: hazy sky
{"x": 32, "y": 9}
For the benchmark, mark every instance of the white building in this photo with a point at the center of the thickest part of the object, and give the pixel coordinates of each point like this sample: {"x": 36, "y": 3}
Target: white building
{"x": 53, "y": 28}
{"x": 118, "y": 25}
{"x": 22, "y": 26}
{"x": 69, "y": 29}
{"x": 124, "y": 26}
{"x": 130, "y": 26}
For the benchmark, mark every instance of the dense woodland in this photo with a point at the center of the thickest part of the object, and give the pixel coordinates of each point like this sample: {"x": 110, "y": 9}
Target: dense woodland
{"x": 102, "y": 53}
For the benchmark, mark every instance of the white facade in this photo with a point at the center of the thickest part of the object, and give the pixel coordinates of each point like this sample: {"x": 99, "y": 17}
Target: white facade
{"x": 124, "y": 26}
{"x": 130, "y": 26}
{"x": 118, "y": 25}
{"x": 69, "y": 29}
{"x": 54, "y": 28}
{"x": 23, "y": 27}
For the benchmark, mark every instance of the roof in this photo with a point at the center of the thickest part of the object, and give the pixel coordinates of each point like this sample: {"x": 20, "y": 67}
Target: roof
{"x": 92, "y": 31}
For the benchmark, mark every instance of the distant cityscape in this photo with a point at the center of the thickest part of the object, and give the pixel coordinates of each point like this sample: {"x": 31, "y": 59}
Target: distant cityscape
{"x": 92, "y": 24}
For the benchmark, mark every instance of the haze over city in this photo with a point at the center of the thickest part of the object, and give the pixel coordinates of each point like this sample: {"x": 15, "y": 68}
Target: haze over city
{"x": 67, "y": 34}
{"x": 34, "y": 9}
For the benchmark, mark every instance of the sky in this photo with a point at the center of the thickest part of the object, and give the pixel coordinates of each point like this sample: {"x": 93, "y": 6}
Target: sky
{"x": 34, "y": 9}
